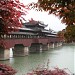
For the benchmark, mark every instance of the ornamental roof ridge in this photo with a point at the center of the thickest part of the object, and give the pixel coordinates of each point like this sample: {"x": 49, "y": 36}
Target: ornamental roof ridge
{"x": 33, "y": 22}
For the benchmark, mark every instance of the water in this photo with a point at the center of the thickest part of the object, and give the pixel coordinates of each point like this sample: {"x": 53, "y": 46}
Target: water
{"x": 62, "y": 57}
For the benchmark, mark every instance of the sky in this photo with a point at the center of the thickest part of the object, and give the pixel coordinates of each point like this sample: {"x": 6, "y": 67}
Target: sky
{"x": 53, "y": 22}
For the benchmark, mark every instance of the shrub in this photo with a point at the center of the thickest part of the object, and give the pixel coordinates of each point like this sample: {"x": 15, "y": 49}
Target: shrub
{"x": 45, "y": 71}
{"x": 6, "y": 70}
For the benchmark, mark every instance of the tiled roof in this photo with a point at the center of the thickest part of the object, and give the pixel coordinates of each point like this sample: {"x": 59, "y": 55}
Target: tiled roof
{"x": 28, "y": 33}
{"x": 35, "y": 23}
{"x": 26, "y": 29}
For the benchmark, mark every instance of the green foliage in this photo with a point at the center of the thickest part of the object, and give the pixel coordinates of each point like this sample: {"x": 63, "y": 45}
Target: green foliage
{"x": 70, "y": 33}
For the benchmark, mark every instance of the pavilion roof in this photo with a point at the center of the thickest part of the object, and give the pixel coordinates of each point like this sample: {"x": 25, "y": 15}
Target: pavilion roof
{"x": 26, "y": 29}
{"x": 38, "y": 29}
{"x": 23, "y": 33}
{"x": 51, "y": 35}
{"x": 35, "y": 23}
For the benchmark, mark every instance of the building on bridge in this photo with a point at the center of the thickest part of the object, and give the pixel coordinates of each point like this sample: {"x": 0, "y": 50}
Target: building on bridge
{"x": 32, "y": 37}
{"x": 31, "y": 29}
{"x": 38, "y": 29}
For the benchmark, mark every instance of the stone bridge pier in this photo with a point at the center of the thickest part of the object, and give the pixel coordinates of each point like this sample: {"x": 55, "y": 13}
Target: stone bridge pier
{"x": 35, "y": 47}
{"x": 38, "y": 47}
{"x": 20, "y": 50}
{"x": 4, "y": 53}
{"x": 51, "y": 45}
{"x": 54, "y": 45}
{"x": 22, "y": 47}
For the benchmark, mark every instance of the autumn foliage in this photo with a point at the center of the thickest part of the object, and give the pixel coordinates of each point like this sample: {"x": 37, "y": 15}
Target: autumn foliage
{"x": 6, "y": 70}
{"x": 64, "y": 9}
{"x": 45, "y": 71}
{"x": 10, "y": 15}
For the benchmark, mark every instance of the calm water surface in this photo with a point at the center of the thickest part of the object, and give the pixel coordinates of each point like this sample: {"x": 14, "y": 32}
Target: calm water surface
{"x": 62, "y": 57}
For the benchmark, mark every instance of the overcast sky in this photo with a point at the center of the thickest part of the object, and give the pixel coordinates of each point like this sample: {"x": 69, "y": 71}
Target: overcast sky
{"x": 53, "y": 22}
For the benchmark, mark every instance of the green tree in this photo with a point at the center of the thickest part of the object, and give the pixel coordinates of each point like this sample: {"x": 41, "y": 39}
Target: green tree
{"x": 70, "y": 33}
{"x": 61, "y": 34}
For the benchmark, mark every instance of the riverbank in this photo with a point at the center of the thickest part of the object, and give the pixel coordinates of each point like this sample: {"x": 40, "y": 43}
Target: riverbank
{"x": 73, "y": 43}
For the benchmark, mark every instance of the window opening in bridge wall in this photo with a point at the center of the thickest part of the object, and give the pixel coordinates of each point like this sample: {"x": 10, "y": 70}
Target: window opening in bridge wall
{"x": 18, "y": 36}
{"x": 1, "y": 36}
{"x": 4, "y": 36}
{"x": 14, "y": 36}
{"x": 23, "y": 36}
{"x": 30, "y": 36}
{"x": 26, "y": 36}
{"x": 9, "y": 36}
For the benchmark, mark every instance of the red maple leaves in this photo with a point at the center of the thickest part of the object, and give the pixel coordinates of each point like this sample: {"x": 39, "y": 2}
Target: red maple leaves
{"x": 6, "y": 70}
{"x": 10, "y": 14}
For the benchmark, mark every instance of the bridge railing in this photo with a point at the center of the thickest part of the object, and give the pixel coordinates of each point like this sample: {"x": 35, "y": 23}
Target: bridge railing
{"x": 19, "y": 36}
